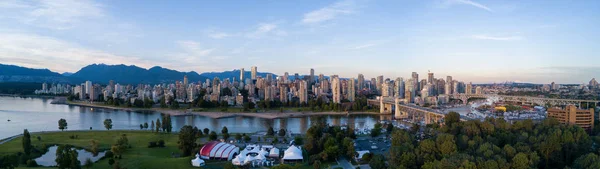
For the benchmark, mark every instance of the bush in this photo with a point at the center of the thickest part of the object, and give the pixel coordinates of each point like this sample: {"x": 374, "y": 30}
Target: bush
{"x": 31, "y": 163}
{"x": 161, "y": 143}
{"x": 111, "y": 161}
{"x": 152, "y": 144}
{"x": 109, "y": 154}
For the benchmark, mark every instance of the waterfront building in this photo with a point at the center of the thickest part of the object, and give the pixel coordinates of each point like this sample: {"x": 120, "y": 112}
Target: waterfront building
{"x": 335, "y": 89}
{"x": 351, "y": 92}
{"x": 574, "y": 116}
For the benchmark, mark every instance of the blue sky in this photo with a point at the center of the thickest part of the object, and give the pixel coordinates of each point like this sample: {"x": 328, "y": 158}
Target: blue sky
{"x": 472, "y": 40}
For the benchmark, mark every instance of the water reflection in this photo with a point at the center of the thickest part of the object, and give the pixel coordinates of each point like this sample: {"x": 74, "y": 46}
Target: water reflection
{"x": 49, "y": 158}
{"x": 38, "y": 114}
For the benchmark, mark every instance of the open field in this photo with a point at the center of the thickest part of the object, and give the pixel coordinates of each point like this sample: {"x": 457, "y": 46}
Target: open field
{"x": 139, "y": 156}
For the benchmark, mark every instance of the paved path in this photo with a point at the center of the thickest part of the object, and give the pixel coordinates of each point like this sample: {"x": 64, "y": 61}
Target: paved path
{"x": 342, "y": 162}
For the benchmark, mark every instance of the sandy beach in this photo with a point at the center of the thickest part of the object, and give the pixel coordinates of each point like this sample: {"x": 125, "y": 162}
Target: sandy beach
{"x": 216, "y": 115}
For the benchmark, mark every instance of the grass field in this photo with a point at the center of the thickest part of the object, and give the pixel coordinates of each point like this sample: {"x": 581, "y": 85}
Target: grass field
{"x": 139, "y": 156}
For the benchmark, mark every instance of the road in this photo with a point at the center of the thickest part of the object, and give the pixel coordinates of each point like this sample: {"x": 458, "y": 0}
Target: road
{"x": 342, "y": 162}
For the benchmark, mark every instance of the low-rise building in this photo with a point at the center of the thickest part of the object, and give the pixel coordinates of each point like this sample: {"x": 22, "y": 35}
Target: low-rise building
{"x": 574, "y": 116}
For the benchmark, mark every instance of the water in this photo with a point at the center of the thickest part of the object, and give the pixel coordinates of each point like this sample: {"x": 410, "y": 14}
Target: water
{"x": 37, "y": 114}
{"x": 49, "y": 159}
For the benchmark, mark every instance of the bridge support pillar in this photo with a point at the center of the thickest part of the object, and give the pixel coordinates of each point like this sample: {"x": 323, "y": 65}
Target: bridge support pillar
{"x": 381, "y": 105}
{"x": 398, "y": 112}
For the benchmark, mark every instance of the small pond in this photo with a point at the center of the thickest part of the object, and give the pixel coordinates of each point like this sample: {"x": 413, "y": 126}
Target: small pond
{"x": 49, "y": 158}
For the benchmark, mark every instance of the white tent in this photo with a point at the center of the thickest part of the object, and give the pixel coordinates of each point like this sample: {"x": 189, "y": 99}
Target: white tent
{"x": 274, "y": 153}
{"x": 248, "y": 159}
{"x": 293, "y": 153}
{"x": 198, "y": 162}
{"x": 239, "y": 160}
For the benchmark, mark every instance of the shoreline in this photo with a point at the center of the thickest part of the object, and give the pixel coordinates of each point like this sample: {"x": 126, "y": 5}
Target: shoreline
{"x": 217, "y": 115}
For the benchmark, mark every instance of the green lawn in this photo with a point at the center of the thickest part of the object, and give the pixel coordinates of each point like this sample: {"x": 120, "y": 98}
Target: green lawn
{"x": 139, "y": 156}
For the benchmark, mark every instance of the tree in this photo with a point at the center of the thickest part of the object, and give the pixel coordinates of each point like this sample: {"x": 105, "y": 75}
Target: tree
{"x": 225, "y": 136}
{"x": 224, "y": 130}
{"x": 377, "y": 162}
{"x": 88, "y": 163}
{"x": 62, "y": 124}
{"x": 212, "y": 135}
{"x": 66, "y": 157}
{"x": 206, "y": 130}
{"x": 145, "y": 125}
{"x": 589, "y": 160}
{"x": 158, "y": 125}
{"x": 152, "y": 125}
{"x": 520, "y": 161}
{"x": 187, "y": 140}
{"x": 317, "y": 164}
{"x": 247, "y": 138}
{"x": 141, "y": 126}
{"x": 108, "y": 124}
{"x": 270, "y": 132}
{"x": 281, "y": 132}
{"x": 298, "y": 141}
{"x": 26, "y": 142}
{"x": 451, "y": 118}
{"x": 94, "y": 146}
{"x": 238, "y": 136}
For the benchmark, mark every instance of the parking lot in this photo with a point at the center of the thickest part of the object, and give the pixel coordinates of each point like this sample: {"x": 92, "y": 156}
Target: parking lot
{"x": 377, "y": 145}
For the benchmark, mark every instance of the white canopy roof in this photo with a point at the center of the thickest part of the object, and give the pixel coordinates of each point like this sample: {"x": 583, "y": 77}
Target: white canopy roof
{"x": 249, "y": 159}
{"x": 197, "y": 162}
{"x": 293, "y": 153}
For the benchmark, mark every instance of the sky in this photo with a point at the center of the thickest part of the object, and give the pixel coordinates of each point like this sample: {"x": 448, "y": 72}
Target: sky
{"x": 479, "y": 41}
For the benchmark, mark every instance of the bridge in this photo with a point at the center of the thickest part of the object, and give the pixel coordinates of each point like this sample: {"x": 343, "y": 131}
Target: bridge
{"x": 402, "y": 110}
{"x": 524, "y": 99}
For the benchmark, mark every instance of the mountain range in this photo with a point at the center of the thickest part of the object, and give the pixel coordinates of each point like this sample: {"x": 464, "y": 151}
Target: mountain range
{"x": 102, "y": 74}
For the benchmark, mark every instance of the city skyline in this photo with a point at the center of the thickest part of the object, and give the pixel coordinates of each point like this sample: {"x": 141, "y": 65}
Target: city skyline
{"x": 476, "y": 41}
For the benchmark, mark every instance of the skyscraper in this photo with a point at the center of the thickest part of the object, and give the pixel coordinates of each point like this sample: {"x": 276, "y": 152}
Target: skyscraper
{"x": 409, "y": 93}
{"x": 254, "y": 71}
{"x": 379, "y": 83}
{"x": 312, "y": 76}
{"x": 361, "y": 82}
{"x": 321, "y": 78}
{"x": 430, "y": 78}
{"x": 303, "y": 92}
{"x": 415, "y": 81}
{"x": 399, "y": 88}
{"x": 469, "y": 89}
{"x": 449, "y": 81}
{"x": 335, "y": 89}
{"x": 88, "y": 87}
{"x": 351, "y": 90}
{"x": 185, "y": 81}
{"x": 242, "y": 75}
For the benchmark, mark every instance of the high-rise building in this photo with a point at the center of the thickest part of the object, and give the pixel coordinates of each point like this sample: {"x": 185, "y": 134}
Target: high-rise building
{"x": 574, "y": 116}
{"x": 399, "y": 88}
{"x": 45, "y": 86}
{"x": 478, "y": 90}
{"x": 321, "y": 78}
{"x": 269, "y": 78}
{"x": 379, "y": 83}
{"x": 242, "y": 75}
{"x": 303, "y": 92}
{"x": 448, "y": 89}
{"x": 336, "y": 91}
{"x": 386, "y": 89}
{"x": 185, "y": 80}
{"x": 430, "y": 78}
{"x": 469, "y": 89}
{"x": 253, "y": 73}
{"x": 361, "y": 82}
{"x": 351, "y": 94}
{"x": 296, "y": 76}
{"x": 312, "y": 76}
{"x": 88, "y": 87}
{"x": 593, "y": 83}
{"x": 283, "y": 90}
{"x": 409, "y": 93}
{"x": 415, "y": 82}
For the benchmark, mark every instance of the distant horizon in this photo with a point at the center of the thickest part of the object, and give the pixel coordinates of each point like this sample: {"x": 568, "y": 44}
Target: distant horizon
{"x": 291, "y": 74}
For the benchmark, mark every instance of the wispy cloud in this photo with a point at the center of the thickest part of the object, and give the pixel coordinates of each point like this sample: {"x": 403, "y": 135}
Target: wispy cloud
{"x": 329, "y": 12}
{"x": 193, "y": 48}
{"x": 265, "y": 29}
{"x": 58, "y": 14}
{"x": 218, "y": 35}
{"x": 364, "y": 46}
{"x": 48, "y": 52}
{"x": 469, "y": 2}
{"x": 499, "y": 38}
